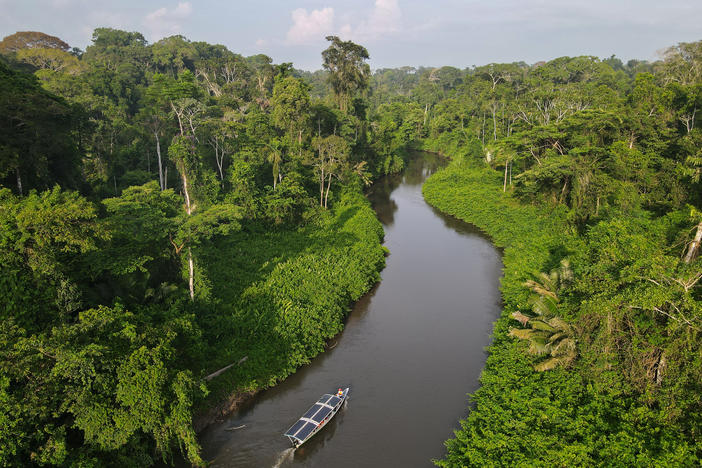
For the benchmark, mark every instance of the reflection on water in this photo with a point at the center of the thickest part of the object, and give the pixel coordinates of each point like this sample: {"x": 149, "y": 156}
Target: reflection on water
{"x": 411, "y": 349}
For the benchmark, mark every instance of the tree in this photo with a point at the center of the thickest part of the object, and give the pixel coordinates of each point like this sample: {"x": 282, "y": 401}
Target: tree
{"x": 220, "y": 134}
{"x": 31, "y": 40}
{"x": 51, "y": 59}
{"x": 181, "y": 152}
{"x": 173, "y": 55}
{"x": 264, "y": 73}
{"x": 291, "y": 107}
{"x": 39, "y": 233}
{"x": 348, "y": 72}
{"x": 548, "y": 333}
{"x": 682, "y": 63}
{"x": 331, "y": 160}
{"x": 275, "y": 157}
{"x": 36, "y": 145}
{"x": 101, "y": 381}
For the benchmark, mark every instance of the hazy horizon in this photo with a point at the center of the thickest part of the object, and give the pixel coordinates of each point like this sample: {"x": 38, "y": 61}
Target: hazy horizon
{"x": 396, "y": 33}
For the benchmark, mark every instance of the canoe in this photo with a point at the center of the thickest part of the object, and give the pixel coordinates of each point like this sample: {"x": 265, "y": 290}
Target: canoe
{"x": 315, "y": 418}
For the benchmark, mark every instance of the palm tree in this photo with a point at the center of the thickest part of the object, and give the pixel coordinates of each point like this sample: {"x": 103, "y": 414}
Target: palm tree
{"x": 275, "y": 157}
{"x": 548, "y": 334}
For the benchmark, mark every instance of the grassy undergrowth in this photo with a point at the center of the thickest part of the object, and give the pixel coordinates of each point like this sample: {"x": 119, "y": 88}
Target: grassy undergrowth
{"x": 277, "y": 296}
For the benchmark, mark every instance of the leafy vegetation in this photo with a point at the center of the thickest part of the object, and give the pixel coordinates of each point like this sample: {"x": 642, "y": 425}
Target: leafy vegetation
{"x": 589, "y": 164}
{"x": 170, "y": 212}
{"x": 178, "y": 222}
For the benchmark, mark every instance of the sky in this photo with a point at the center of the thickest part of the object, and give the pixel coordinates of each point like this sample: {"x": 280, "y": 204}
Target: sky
{"x": 460, "y": 33}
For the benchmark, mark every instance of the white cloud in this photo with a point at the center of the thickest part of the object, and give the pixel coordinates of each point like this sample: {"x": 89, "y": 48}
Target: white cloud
{"x": 310, "y": 27}
{"x": 384, "y": 19}
{"x": 166, "y": 22}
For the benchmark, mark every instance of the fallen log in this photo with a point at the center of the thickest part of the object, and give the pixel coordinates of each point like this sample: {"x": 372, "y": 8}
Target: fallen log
{"x": 225, "y": 368}
{"x": 234, "y": 428}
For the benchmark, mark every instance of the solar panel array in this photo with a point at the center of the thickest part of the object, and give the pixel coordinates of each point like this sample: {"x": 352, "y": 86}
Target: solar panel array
{"x": 296, "y": 427}
{"x": 313, "y": 417}
{"x": 317, "y": 412}
{"x": 305, "y": 431}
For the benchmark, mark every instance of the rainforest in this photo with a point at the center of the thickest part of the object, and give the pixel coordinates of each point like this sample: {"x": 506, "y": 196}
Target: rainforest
{"x": 183, "y": 227}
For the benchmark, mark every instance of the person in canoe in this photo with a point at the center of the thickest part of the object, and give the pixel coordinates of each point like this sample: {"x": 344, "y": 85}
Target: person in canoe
{"x": 340, "y": 393}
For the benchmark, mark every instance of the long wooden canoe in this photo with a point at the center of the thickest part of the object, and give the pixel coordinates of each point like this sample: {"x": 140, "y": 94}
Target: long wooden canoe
{"x": 316, "y": 418}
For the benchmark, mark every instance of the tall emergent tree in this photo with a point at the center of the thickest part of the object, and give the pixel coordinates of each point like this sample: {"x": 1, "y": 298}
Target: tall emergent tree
{"x": 331, "y": 160}
{"x": 348, "y": 71}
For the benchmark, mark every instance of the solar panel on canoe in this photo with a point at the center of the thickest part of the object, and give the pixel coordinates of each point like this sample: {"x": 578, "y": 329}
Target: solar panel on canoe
{"x": 295, "y": 427}
{"x": 325, "y": 398}
{"x": 333, "y": 401}
{"x": 321, "y": 414}
{"x": 312, "y": 411}
{"x": 305, "y": 431}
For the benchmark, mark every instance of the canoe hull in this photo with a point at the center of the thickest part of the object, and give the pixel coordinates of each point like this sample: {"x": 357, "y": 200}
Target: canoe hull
{"x": 307, "y": 426}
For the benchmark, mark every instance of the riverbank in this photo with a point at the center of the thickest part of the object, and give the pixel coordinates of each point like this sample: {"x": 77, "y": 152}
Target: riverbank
{"x": 513, "y": 400}
{"x": 412, "y": 332}
{"x": 278, "y": 297}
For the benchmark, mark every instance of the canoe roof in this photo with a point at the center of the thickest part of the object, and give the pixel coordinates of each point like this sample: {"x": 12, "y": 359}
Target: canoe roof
{"x": 313, "y": 417}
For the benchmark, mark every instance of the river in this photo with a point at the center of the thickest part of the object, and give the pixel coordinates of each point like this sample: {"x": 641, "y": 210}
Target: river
{"x": 412, "y": 349}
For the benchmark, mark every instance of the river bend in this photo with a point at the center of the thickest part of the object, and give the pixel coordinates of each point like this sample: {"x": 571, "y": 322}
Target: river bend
{"x": 412, "y": 349}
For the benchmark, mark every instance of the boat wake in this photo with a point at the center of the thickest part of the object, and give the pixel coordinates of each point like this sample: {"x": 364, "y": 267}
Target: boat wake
{"x": 284, "y": 456}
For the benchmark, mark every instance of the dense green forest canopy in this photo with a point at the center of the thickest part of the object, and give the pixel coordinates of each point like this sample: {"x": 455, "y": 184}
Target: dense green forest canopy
{"x": 588, "y": 172}
{"x": 147, "y": 193}
{"x": 169, "y": 208}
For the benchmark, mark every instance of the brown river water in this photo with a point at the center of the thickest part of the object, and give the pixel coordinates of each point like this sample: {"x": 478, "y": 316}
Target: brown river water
{"x": 412, "y": 349}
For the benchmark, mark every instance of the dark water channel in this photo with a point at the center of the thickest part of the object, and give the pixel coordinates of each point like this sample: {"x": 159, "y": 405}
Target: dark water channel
{"x": 411, "y": 350}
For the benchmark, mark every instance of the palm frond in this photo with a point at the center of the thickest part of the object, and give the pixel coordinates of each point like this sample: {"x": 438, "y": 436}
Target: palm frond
{"x": 556, "y": 336}
{"x": 541, "y": 325}
{"x": 545, "y": 306}
{"x": 548, "y": 364}
{"x": 564, "y": 348}
{"x": 540, "y": 289}
{"x": 538, "y": 346}
{"x": 520, "y": 317}
{"x": 521, "y": 333}
{"x": 560, "y": 324}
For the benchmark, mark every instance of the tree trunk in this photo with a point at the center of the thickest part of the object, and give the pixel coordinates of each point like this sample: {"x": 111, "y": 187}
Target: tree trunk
{"x": 220, "y": 163}
{"x": 504, "y": 184}
{"x": 694, "y": 245}
{"x": 510, "y": 173}
{"x": 321, "y": 188}
{"x": 494, "y": 124}
{"x": 161, "y": 182}
{"x": 326, "y": 195}
{"x": 191, "y": 267}
{"x": 186, "y": 193}
{"x": 561, "y": 198}
{"x": 19, "y": 181}
{"x": 660, "y": 368}
{"x": 191, "y": 275}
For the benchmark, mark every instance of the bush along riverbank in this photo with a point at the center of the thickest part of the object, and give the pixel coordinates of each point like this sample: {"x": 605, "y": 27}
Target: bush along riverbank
{"x": 574, "y": 374}
{"x": 280, "y": 295}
